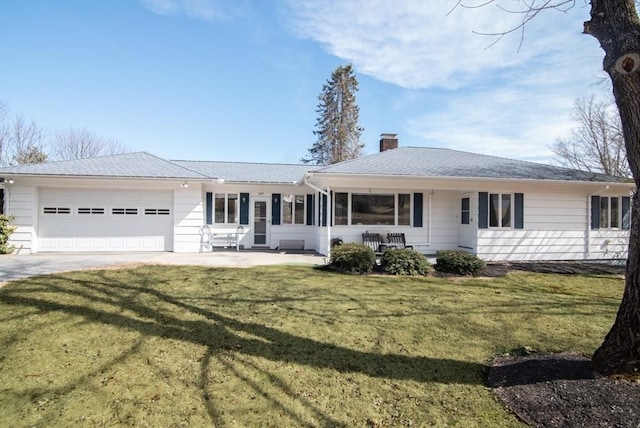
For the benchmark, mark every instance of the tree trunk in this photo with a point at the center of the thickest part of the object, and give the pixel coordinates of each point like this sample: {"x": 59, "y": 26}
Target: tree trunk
{"x": 615, "y": 24}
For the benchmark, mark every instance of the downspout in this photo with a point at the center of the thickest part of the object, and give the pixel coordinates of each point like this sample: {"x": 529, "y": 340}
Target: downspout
{"x": 428, "y": 243}
{"x": 328, "y": 195}
{"x": 588, "y": 252}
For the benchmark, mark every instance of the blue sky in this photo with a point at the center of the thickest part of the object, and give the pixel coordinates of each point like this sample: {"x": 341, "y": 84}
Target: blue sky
{"x": 239, "y": 80}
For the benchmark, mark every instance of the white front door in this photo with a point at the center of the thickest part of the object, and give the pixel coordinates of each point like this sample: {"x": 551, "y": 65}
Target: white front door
{"x": 466, "y": 223}
{"x": 261, "y": 222}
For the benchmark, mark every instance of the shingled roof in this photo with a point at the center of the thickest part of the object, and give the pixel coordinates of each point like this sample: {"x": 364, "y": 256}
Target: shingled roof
{"x": 145, "y": 165}
{"x": 129, "y": 165}
{"x": 437, "y": 163}
{"x": 246, "y": 172}
{"x": 403, "y": 161}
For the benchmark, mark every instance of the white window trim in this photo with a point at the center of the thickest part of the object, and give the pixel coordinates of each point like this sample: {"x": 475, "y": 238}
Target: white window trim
{"x": 511, "y": 212}
{"x": 293, "y": 210}
{"x": 619, "y": 216}
{"x": 226, "y": 208}
{"x": 396, "y": 208}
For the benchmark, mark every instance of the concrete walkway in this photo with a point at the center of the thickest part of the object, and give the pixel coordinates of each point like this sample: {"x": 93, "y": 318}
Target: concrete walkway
{"x": 21, "y": 266}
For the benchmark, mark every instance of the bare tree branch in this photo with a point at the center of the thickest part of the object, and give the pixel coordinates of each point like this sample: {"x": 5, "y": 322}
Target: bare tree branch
{"x": 596, "y": 144}
{"x": 80, "y": 143}
{"x": 27, "y": 142}
{"x": 528, "y": 10}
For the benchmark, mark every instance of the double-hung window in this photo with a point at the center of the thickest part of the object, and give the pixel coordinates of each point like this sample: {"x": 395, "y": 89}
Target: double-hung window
{"x": 226, "y": 208}
{"x": 499, "y": 210}
{"x": 610, "y": 212}
{"x": 293, "y": 209}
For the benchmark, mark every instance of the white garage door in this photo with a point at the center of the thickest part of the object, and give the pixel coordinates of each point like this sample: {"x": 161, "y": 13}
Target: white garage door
{"x": 105, "y": 220}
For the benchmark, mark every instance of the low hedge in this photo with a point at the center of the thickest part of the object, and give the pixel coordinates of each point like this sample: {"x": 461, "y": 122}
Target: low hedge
{"x": 405, "y": 261}
{"x": 356, "y": 258}
{"x": 459, "y": 262}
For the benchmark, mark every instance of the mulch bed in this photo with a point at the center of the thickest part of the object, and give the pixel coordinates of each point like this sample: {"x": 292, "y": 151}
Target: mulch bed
{"x": 562, "y": 390}
{"x": 583, "y": 268}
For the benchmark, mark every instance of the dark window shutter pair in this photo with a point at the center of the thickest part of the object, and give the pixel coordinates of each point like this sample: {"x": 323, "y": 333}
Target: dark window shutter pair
{"x": 244, "y": 208}
{"x": 483, "y": 210}
{"x": 276, "y": 204}
{"x": 595, "y": 212}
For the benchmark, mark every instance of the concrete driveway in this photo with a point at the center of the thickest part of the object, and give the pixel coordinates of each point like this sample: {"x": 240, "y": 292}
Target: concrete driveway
{"x": 21, "y": 266}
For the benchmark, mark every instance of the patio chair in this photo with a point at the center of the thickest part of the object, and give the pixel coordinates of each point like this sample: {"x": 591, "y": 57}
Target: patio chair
{"x": 398, "y": 240}
{"x": 373, "y": 241}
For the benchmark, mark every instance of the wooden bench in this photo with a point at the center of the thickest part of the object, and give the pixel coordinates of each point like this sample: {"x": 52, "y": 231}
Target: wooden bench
{"x": 373, "y": 241}
{"x": 398, "y": 240}
{"x": 291, "y": 244}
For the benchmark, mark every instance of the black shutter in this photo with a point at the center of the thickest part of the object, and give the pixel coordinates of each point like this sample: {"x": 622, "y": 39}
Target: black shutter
{"x": 208, "y": 209}
{"x": 483, "y": 210}
{"x": 275, "y": 209}
{"x": 519, "y": 211}
{"x": 319, "y": 215}
{"x": 418, "y": 206}
{"x": 244, "y": 208}
{"x": 310, "y": 210}
{"x": 595, "y": 212}
{"x": 626, "y": 212}
{"x": 324, "y": 210}
{"x": 332, "y": 202}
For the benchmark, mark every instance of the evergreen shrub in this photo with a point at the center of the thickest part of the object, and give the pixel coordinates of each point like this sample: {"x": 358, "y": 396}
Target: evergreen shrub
{"x": 459, "y": 262}
{"x": 356, "y": 258}
{"x": 405, "y": 261}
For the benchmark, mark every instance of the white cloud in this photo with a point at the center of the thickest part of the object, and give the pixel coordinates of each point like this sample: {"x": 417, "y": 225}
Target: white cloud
{"x": 208, "y": 10}
{"x": 409, "y": 43}
{"x": 495, "y": 100}
{"x": 507, "y": 122}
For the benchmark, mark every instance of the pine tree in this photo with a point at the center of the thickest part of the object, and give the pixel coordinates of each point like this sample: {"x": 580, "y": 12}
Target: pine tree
{"x": 337, "y": 127}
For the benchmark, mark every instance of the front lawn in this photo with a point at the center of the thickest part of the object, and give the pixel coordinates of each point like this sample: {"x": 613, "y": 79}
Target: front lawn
{"x": 164, "y": 346}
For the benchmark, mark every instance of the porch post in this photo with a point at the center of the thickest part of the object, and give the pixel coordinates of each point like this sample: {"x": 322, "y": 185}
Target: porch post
{"x": 328, "y": 214}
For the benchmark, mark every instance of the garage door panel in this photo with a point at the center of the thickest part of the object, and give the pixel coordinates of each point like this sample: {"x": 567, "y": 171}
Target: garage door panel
{"x": 86, "y": 220}
{"x": 83, "y": 243}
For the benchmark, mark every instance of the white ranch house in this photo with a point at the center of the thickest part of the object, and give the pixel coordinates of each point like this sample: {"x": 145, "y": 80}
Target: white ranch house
{"x": 497, "y": 208}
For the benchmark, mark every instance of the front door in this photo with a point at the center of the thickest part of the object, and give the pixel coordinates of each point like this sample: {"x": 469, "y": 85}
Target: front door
{"x": 466, "y": 223}
{"x": 261, "y": 222}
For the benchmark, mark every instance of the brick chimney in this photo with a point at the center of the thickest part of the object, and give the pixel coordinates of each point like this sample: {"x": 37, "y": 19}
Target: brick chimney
{"x": 388, "y": 142}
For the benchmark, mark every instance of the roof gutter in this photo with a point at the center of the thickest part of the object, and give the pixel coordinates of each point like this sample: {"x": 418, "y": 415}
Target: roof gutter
{"x": 474, "y": 179}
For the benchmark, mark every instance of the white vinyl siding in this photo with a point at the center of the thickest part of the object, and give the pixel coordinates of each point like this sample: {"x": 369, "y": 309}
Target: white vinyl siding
{"x": 557, "y": 228}
{"x": 188, "y": 216}
{"x": 20, "y": 203}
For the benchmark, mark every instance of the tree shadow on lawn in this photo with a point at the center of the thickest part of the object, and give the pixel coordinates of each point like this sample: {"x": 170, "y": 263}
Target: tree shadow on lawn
{"x": 152, "y": 315}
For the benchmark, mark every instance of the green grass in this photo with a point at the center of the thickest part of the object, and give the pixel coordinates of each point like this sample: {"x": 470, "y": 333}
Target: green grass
{"x": 278, "y": 346}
